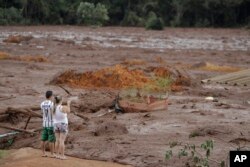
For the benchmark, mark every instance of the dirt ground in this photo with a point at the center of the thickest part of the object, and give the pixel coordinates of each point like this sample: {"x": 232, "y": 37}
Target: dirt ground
{"x": 29, "y": 157}
{"x": 137, "y": 139}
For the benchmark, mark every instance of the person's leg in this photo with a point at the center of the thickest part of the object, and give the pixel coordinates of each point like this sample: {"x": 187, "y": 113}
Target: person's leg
{"x": 43, "y": 149}
{"x": 44, "y": 138}
{"x": 51, "y": 140}
{"x": 62, "y": 145}
{"x": 57, "y": 149}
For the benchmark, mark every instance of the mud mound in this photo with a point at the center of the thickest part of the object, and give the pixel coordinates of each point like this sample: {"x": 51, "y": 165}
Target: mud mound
{"x": 152, "y": 79}
{"x": 112, "y": 77}
{"x": 17, "y": 38}
{"x": 110, "y": 128}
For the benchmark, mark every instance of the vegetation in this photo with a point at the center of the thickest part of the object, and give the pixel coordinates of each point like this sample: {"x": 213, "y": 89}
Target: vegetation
{"x": 154, "y": 22}
{"x": 90, "y": 14}
{"x": 198, "y": 156}
{"x": 187, "y": 13}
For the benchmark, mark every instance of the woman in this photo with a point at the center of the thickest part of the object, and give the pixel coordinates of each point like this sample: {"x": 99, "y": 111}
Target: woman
{"x": 60, "y": 121}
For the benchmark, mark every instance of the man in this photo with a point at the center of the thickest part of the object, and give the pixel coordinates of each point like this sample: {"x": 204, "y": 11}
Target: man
{"x": 47, "y": 108}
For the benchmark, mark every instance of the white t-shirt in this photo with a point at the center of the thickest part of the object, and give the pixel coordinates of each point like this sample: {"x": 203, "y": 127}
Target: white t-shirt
{"x": 47, "y": 107}
{"x": 59, "y": 116}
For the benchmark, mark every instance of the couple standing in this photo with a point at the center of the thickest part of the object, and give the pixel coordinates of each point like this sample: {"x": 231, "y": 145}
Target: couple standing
{"x": 55, "y": 125}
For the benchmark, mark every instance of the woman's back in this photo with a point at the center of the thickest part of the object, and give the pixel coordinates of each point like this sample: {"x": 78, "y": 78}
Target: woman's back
{"x": 59, "y": 116}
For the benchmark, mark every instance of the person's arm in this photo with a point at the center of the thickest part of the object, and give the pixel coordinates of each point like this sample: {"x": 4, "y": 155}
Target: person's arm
{"x": 66, "y": 108}
{"x": 41, "y": 107}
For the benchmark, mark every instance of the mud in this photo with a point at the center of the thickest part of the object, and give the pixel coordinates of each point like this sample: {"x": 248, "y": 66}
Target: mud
{"x": 138, "y": 139}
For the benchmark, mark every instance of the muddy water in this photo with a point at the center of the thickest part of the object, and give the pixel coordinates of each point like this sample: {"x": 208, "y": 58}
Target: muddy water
{"x": 139, "y": 40}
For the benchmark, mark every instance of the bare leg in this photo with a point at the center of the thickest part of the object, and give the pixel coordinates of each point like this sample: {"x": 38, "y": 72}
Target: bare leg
{"x": 52, "y": 147}
{"x": 62, "y": 145}
{"x": 43, "y": 148}
{"x": 57, "y": 144}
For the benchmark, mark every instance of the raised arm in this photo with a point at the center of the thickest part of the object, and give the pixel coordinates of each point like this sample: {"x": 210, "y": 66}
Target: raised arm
{"x": 66, "y": 108}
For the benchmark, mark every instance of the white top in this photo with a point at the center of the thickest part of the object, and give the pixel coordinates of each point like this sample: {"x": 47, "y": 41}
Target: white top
{"x": 47, "y": 109}
{"x": 59, "y": 116}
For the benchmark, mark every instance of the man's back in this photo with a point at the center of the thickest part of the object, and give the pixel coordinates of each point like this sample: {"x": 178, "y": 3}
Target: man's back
{"x": 47, "y": 110}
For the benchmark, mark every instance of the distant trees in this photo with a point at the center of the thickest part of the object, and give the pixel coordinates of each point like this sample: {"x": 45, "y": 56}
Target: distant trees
{"x": 154, "y": 22}
{"x": 91, "y": 14}
{"x": 184, "y": 13}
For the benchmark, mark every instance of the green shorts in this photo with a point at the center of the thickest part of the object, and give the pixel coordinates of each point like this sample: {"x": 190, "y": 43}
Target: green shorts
{"x": 48, "y": 134}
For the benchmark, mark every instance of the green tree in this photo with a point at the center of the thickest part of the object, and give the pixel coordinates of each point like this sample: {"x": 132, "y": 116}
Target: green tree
{"x": 91, "y": 14}
{"x": 154, "y": 22}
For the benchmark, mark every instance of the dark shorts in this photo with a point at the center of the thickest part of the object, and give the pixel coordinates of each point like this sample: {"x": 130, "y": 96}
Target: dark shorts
{"x": 61, "y": 128}
{"x": 48, "y": 134}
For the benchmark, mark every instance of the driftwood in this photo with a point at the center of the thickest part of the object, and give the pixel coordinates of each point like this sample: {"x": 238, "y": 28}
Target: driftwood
{"x": 129, "y": 106}
{"x": 27, "y": 122}
{"x": 81, "y": 116}
{"x": 183, "y": 73}
{"x": 6, "y": 110}
{"x": 16, "y": 129}
{"x": 68, "y": 92}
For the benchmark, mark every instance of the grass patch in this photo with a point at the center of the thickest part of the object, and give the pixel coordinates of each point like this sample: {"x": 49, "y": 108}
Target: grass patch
{"x": 195, "y": 133}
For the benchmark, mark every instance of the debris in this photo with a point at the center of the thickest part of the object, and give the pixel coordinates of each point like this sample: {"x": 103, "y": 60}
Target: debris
{"x": 7, "y": 98}
{"x": 160, "y": 71}
{"x": 17, "y": 38}
{"x": 8, "y": 134}
{"x": 128, "y": 106}
{"x": 236, "y": 78}
{"x": 132, "y": 62}
{"x": 28, "y": 58}
{"x": 81, "y": 116}
{"x": 110, "y": 128}
{"x": 27, "y": 122}
{"x": 66, "y": 90}
{"x": 147, "y": 115}
{"x": 109, "y": 111}
{"x": 209, "y": 98}
{"x": 40, "y": 47}
{"x": 213, "y": 67}
{"x": 16, "y": 129}
{"x": 26, "y": 111}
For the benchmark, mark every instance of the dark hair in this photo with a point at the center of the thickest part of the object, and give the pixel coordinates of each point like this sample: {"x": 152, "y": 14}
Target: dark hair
{"x": 48, "y": 94}
{"x": 58, "y": 99}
